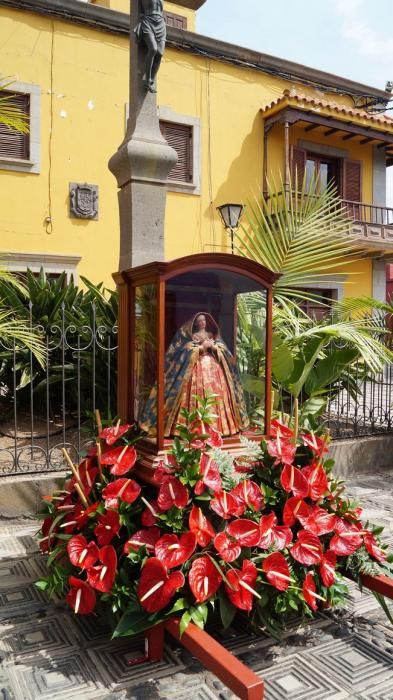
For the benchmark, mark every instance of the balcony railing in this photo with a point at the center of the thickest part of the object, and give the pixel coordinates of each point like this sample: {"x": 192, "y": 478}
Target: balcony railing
{"x": 368, "y": 213}
{"x": 372, "y": 225}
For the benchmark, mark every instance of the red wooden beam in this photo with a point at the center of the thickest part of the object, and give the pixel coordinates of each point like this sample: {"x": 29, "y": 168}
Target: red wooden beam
{"x": 379, "y": 584}
{"x": 235, "y": 675}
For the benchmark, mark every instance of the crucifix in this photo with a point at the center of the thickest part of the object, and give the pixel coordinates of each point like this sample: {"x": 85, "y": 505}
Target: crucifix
{"x": 151, "y": 29}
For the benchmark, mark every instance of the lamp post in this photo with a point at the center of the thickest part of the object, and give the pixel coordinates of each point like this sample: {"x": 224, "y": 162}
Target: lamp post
{"x": 230, "y": 216}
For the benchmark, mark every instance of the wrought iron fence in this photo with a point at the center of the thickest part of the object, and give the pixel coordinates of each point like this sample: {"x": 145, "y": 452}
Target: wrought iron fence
{"x": 43, "y": 409}
{"x": 362, "y": 406}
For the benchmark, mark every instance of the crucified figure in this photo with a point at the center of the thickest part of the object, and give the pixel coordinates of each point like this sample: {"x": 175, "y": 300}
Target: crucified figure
{"x": 151, "y": 29}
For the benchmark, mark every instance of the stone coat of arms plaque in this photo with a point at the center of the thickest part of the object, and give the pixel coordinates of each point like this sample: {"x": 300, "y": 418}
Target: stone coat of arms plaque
{"x": 83, "y": 201}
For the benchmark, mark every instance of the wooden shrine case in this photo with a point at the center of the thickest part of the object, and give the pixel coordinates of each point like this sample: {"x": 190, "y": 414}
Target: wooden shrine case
{"x": 157, "y": 302}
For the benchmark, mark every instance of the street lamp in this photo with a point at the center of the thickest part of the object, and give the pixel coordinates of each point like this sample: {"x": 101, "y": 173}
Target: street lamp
{"x": 231, "y": 215}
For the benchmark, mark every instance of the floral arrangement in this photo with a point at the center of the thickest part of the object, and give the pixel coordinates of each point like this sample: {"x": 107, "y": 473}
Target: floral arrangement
{"x": 270, "y": 534}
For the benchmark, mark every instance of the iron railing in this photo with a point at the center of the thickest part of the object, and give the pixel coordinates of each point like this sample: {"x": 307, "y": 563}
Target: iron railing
{"x": 362, "y": 407}
{"x": 45, "y": 409}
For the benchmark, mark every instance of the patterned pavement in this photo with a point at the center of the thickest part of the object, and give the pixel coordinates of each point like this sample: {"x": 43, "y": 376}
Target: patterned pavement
{"x": 47, "y": 653}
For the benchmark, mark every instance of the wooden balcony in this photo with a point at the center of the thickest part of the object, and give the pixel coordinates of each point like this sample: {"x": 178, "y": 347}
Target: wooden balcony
{"x": 372, "y": 225}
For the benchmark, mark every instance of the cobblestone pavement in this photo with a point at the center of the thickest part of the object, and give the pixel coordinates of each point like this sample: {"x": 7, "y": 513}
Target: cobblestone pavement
{"x": 47, "y": 653}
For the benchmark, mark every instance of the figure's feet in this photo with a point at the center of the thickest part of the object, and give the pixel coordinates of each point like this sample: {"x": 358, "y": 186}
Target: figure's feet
{"x": 150, "y": 85}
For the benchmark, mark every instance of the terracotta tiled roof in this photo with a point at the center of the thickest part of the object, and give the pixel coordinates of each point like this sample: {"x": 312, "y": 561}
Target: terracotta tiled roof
{"x": 315, "y": 103}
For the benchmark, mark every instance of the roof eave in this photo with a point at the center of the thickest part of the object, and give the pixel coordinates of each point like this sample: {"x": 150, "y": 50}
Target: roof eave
{"x": 102, "y": 19}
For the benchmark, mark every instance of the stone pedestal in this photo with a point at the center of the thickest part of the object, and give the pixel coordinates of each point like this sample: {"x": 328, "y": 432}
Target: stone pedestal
{"x": 141, "y": 166}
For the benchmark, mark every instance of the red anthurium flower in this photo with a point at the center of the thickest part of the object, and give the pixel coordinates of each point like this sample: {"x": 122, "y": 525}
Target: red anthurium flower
{"x": 228, "y": 549}
{"x": 309, "y": 591}
{"x": 317, "y": 480}
{"x": 318, "y": 521}
{"x": 108, "y": 526}
{"x": 214, "y": 439}
{"x": 373, "y": 549}
{"x": 278, "y": 428}
{"x": 141, "y": 538}
{"x": 88, "y": 474}
{"x": 245, "y": 532}
{"x": 102, "y": 577}
{"x": 71, "y": 522}
{"x": 316, "y": 444}
{"x": 327, "y": 569}
{"x": 114, "y": 433}
{"x": 294, "y": 507}
{"x": 200, "y": 526}
{"x": 249, "y": 495}
{"x": 283, "y": 451}
{"x": 124, "y": 489}
{"x": 156, "y": 587}
{"x": 81, "y": 598}
{"x": 307, "y": 549}
{"x": 204, "y": 579}
{"x": 242, "y": 583}
{"x": 85, "y": 514}
{"x": 172, "y": 493}
{"x": 173, "y": 550}
{"x": 210, "y": 473}
{"x": 347, "y": 540}
{"x": 150, "y": 513}
{"x": 199, "y": 487}
{"x": 277, "y": 572}
{"x": 273, "y": 534}
{"x": 121, "y": 458}
{"x": 293, "y": 480}
{"x": 225, "y": 505}
{"x": 82, "y": 553}
{"x": 48, "y": 539}
{"x": 162, "y": 473}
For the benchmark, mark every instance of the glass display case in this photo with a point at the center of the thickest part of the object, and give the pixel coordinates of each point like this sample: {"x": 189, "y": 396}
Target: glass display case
{"x": 195, "y": 327}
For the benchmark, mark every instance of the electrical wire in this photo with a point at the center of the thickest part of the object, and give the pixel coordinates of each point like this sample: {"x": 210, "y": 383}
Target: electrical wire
{"x": 48, "y": 219}
{"x": 325, "y": 87}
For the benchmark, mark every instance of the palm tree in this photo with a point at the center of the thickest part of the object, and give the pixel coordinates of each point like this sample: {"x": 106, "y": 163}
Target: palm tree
{"x": 14, "y": 332}
{"x": 304, "y": 236}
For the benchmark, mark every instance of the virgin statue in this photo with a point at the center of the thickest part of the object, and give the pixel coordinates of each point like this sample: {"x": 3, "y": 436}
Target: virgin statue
{"x": 198, "y": 364}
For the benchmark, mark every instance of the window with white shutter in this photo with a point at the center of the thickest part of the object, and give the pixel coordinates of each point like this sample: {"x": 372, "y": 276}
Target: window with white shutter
{"x": 14, "y": 144}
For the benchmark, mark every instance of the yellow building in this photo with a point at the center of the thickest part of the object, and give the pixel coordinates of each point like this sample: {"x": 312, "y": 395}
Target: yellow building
{"x": 234, "y": 115}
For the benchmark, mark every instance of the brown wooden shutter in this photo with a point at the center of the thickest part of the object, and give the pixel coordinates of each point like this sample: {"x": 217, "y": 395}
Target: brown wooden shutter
{"x": 179, "y": 136}
{"x": 352, "y": 180}
{"x": 298, "y": 165}
{"x": 13, "y": 144}
{"x": 177, "y": 21}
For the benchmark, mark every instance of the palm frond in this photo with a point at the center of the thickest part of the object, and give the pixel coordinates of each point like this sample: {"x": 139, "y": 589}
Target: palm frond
{"x": 7, "y": 278}
{"x": 10, "y": 115}
{"x": 16, "y": 332}
{"x": 302, "y": 234}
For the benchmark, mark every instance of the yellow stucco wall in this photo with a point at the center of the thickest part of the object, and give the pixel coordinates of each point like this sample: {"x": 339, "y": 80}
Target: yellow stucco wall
{"x": 83, "y": 78}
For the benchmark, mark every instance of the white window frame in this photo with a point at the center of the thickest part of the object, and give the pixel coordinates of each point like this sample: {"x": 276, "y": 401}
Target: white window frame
{"x": 337, "y": 285}
{"x": 33, "y": 164}
{"x": 19, "y": 262}
{"x": 166, "y": 114}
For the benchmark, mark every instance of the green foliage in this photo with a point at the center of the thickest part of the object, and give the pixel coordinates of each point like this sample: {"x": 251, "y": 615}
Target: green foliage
{"x": 85, "y": 318}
